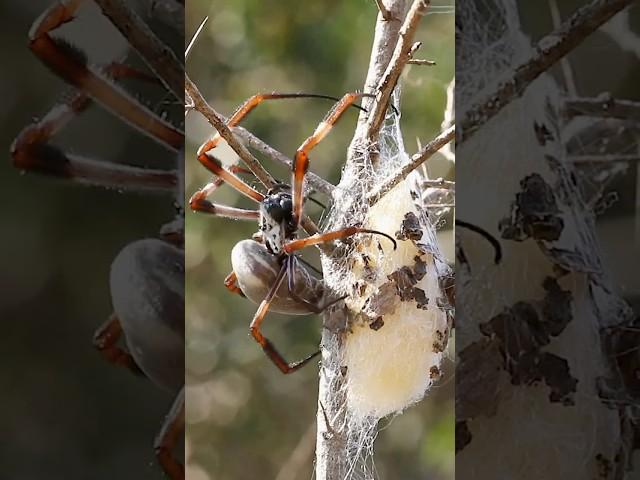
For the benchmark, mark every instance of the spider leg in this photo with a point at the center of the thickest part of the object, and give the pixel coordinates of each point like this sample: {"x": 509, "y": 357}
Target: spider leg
{"x": 214, "y": 165}
{"x": 318, "y": 238}
{"x": 72, "y": 65}
{"x": 168, "y": 438}
{"x": 199, "y": 203}
{"x": 230, "y": 282}
{"x": 251, "y": 103}
{"x": 31, "y": 150}
{"x": 266, "y": 345}
{"x": 301, "y": 158}
{"x": 105, "y": 340}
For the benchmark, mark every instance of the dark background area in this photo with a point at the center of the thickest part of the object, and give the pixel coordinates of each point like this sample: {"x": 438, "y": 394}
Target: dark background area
{"x": 67, "y": 413}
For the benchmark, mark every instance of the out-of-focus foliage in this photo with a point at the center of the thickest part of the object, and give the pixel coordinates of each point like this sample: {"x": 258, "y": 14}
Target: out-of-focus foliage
{"x": 244, "y": 418}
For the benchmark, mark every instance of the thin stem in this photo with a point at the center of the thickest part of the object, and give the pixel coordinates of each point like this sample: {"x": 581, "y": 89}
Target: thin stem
{"x": 218, "y": 122}
{"x": 418, "y": 159}
{"x": 158, "y": 56}
{"x": 428, "y": 63}
{"x": 386, "y": 14}
{"x": 401, "y": 55}
{"x": 603, "y": 106}
{"x": 316, "y": 182}
{"x": 547, "y": 52}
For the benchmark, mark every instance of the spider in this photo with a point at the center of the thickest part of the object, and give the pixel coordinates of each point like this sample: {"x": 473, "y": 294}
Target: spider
{"x": 147, "y": 276}
{"x": 261, "y": 264}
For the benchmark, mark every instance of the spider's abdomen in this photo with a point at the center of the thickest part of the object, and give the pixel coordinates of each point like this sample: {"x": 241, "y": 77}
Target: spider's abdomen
{"x": 256, "y": 270}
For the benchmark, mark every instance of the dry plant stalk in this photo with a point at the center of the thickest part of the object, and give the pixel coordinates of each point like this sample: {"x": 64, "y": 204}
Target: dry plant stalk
{"x": 393, "y": 46}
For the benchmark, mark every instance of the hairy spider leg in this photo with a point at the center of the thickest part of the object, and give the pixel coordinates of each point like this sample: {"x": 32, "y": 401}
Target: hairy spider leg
{"x": 250, "y": 104}
{"x": 105, "y": 340}
{"x": 72, "y": 65}
{"x": 199, "y": 203}
{"x": 264, "y": 342}
{"x": 301, "y": 159}
{"x": 31, "y": 150}
{"x": 319, "y": 238}
{"x": 231, "y": 282}
{"x": 168, "y": 438}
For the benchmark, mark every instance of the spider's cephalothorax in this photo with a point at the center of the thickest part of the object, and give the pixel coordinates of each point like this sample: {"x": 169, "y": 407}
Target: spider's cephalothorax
{"x": 276, "y": 218}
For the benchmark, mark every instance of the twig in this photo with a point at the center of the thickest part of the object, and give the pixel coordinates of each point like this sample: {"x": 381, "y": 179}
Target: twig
{"x": 429, "y": 63}
{"x": 418, "y": 159}
{"x": 158, "y": 56}
{"x": 564, "y": 63}
{"x": 332, "y": 449}
{"x": 316, "y": 182}
{"x": 384, "y": 40}
{"x": 547, "y": 52}
{"x": 603, "y": 106}
{"x": 401, "y": 55}
{"x": 386, "y": 14}
{"x": 218, "y": 122}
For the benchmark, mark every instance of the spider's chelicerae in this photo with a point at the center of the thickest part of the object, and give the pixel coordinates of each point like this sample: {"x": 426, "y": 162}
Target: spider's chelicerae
{"x": 260, "y": 265}
{"x": 147, "y": 276}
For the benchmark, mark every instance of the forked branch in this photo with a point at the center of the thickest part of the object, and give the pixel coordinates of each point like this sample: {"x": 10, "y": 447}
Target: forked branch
{"x": 547, "y": 52}
{"x": 159, "y": 57}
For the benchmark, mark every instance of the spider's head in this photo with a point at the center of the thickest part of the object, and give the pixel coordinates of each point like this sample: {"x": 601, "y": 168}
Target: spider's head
{"x": 276, "y": 218}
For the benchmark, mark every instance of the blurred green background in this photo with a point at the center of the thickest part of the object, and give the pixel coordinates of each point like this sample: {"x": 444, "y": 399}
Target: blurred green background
{"x": 66, "y": 412}
{"x": 244, "y": 418}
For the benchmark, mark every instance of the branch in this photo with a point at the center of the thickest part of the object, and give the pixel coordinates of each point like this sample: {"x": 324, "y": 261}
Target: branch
{"x": 331, "y": 445}
{"x": 316, "y": 182}
{"x": 418, "y": 159}
{"x": 158, "y": 56}
{"x": 603, "y": 106}
{"x": 427, "y": 63}
{"x": 218, "y": 122}
{"x": 401, "y": 55}
{"x": 546, "y": 53}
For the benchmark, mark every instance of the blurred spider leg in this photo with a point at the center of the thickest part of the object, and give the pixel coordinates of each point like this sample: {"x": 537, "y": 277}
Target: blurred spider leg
{"x": 266, "y": 345}
{"x": 72, "y": 65}
{"x": 301, "y": 158}
{"x": 231, "y": 282}
{"x": 214, "y": 165}
{"x": 105, "y": 340}
{"x": 31, "y": 150}
{"x": 316, "y": 239}
{"x": 168, "y": 438}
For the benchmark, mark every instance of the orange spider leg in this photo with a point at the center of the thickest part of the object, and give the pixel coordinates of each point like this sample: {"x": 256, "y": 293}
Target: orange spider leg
{"x": 318, "y": 238}
{"x": 264, "y": 342}
{"x": 301, "y": 158}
